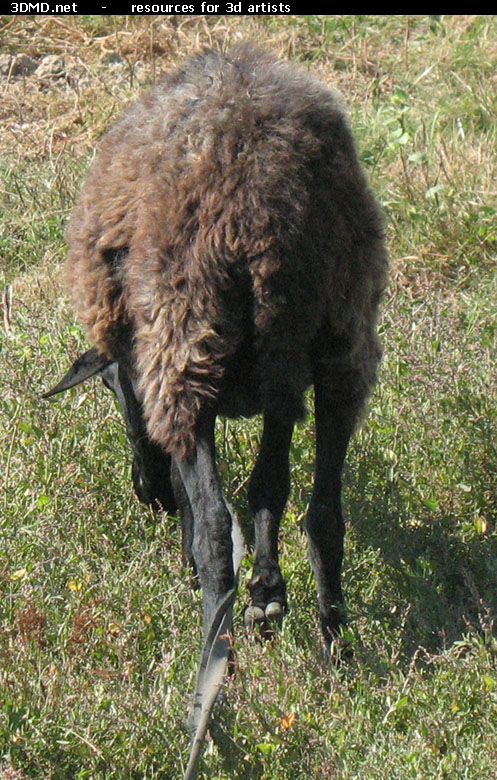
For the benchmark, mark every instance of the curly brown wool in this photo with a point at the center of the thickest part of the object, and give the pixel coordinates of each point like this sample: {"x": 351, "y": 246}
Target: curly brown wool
{"x": 227, "y": 224}
{"x": 225, "y": 254}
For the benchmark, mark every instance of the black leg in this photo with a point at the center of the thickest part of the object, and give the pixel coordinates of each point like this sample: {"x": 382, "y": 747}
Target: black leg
{"x": 335, "y": 422}
{"x": 186, "y": 514}
{"x": 212, "y": 544}
{"x": 217, "y": 551}
{"x": 268, "y": 494}
{"x": 156, "y": 478}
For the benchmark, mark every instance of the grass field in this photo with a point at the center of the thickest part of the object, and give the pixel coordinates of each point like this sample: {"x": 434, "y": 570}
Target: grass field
{"x": 99, "y": 627}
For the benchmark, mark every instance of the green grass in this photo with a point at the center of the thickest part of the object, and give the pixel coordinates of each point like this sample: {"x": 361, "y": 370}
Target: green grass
{"x": 99, "y": 626}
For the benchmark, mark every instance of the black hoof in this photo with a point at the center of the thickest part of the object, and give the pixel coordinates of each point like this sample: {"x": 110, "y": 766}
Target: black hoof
{"x": 265, "y": 619}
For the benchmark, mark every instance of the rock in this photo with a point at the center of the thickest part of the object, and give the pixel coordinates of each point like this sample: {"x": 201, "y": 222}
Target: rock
{"x": 51, "y": 67}
{"x": 112, "y": 58}
{"x": 16, "y": 65}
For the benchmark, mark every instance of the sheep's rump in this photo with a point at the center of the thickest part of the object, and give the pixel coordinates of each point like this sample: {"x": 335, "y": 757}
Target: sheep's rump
{"x": 227, "y": 226}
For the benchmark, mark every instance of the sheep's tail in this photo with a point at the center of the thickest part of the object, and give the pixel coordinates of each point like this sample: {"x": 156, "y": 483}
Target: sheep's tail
{"x": 180, "y": 347}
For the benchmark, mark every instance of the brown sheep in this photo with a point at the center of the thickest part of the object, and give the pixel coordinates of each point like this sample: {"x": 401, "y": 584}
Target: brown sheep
{"x": 225, "y": 254}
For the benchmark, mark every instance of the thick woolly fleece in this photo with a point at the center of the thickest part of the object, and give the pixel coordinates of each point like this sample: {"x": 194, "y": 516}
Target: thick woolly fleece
{"x": 227, "y": 226}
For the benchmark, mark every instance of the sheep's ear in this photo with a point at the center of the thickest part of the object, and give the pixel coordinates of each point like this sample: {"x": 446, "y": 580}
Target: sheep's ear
{"x": 86, "y": 366}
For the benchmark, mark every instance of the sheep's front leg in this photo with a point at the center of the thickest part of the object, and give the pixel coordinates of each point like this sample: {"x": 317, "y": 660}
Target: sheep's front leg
{"x": 186, "y": 515}
{"x": 268, "y": 494}
{"x": 325, "y": 527}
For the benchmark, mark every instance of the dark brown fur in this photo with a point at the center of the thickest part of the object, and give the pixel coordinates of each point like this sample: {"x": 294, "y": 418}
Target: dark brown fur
{"x": 226, "y": 253}
{"x": 227, "y": 225}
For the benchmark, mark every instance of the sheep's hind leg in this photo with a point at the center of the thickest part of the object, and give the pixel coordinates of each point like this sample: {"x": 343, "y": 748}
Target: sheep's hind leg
{"x": 336, "y": 416}
{"x": 268, "y": 494}
{"x": 325, "y": 527}
{"x": 212, "y": 544}
{"x": 217, "y": 551}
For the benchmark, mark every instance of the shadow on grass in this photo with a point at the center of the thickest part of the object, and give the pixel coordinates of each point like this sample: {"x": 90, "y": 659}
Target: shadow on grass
{"x": 441, "y": 573}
